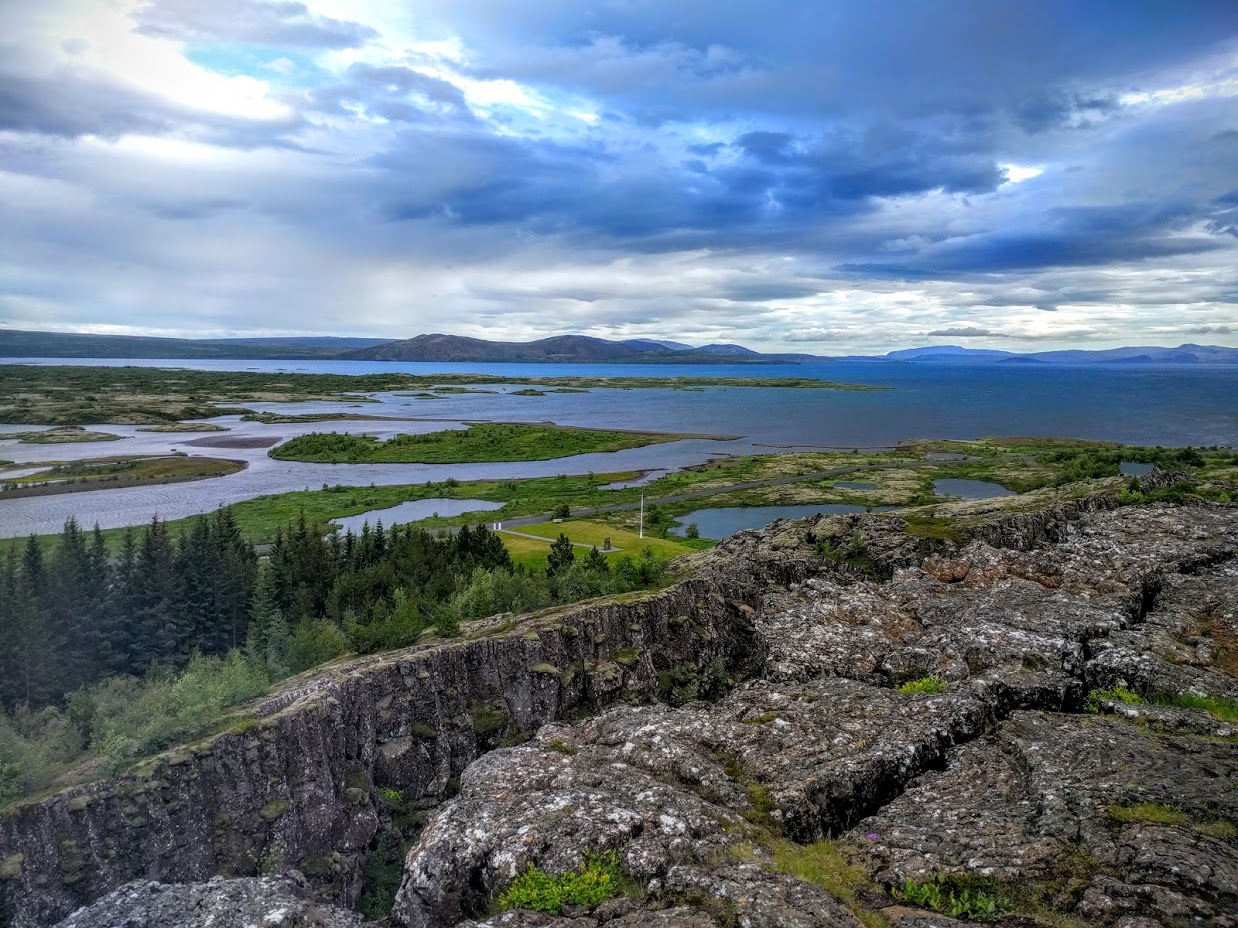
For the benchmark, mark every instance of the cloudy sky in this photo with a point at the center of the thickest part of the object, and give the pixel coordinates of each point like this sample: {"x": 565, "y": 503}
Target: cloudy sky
{"x": 856, "y": 175}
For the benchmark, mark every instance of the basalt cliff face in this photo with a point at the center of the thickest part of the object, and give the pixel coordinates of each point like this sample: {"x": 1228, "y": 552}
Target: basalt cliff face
{"x": 707, "y": 733}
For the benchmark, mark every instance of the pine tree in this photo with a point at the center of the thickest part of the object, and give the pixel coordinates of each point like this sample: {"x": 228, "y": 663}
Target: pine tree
{"x": 68, "y": 612}
{"x": 162, "y": 633}
{"x": 263, "y": 611}
{"x": 562, "y": 555}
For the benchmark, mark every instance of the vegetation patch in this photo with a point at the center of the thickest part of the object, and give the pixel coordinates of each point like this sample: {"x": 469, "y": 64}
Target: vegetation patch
{"x": 1116, "y": 694}
{"x": 1150, "y": 812}
{"x": 64, "y": 435}
{"x": 963, "y": 896}
{"x": 185, "y": 427}
{"x": 478, "y": 443}
{"x": 598, "y": 879}
{"x": 112, "y": 473}
{"x": 1220, "y": 708}
{"x": 932, "y": 684}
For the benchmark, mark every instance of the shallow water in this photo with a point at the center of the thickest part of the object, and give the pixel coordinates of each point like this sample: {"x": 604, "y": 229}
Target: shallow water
{"x": 413, "y": 511}
{"x": 1135, "y": 468}
{"x": 718, "y": 523}
{"x": 969, "y": 489}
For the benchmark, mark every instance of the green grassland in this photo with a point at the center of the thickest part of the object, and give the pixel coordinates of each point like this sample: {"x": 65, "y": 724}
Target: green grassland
{"x": 478, "y": 443}
{"x": 71, "y": 395}
{"x": 64, "y": 435}
{"x": 532, "y": 553}
{"x": 112, "y": 473}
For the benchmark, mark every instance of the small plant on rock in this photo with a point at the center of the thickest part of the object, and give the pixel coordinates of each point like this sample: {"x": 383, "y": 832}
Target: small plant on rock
{"x": 1116, "y": 694}
{"x": 934, "y": 684}
{"x": 960, "y": 896}
{"x": 597, "y": 880}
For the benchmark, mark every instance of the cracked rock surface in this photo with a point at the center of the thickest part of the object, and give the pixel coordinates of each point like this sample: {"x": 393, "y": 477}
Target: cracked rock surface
{"x": 988, "y": 778}
{"x": 276, "y": 902}
{"x": 1123, "y": 817}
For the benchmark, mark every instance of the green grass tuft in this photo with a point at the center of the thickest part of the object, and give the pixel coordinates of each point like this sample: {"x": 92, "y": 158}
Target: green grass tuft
{"x": 1151, "y": 812}
{"x": 1116, "y": 694}
{"x": 934, "y": 684}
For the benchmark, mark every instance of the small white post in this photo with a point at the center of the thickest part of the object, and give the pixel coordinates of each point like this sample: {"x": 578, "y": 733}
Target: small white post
{"x": 642, "y": 515}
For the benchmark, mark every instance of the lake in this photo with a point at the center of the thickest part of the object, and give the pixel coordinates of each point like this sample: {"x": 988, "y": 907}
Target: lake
{"x": 413, "y": 511}
{"x": 1171, "y": 405}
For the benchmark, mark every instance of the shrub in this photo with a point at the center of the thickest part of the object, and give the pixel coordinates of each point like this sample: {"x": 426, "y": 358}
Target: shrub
{"x": 596, "y": 881}
{"x": 934, "y": 684}
{"x": 966, "y": 897}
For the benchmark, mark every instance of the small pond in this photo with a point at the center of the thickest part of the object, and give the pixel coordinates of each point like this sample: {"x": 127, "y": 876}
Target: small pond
{"x": 413, "y": 511}
{"x": 854, "y": 485}
{"x": 1135, "y": 469}
{"x": 969, "y": 489}
{"x": 718, "y": 523}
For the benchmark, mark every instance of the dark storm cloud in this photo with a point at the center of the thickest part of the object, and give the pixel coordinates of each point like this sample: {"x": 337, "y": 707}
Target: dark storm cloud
{"x": 1072, "y": 236}
{"x": 248, "y": 21}
{"x": 905, "y": 56}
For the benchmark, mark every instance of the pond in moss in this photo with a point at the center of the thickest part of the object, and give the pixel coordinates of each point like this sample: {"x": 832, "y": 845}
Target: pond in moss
{"x": 718, "y": 523}
{"x": 969, "y": 489}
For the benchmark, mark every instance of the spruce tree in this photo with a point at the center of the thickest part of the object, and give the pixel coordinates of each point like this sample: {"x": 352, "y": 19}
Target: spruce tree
{"x": 562, "y": 555}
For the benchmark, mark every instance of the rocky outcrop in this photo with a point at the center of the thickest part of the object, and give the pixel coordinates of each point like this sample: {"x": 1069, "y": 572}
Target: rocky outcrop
{"x": 262, "y": 902}
{"x": 301, "y": 788}
{"x": 1097, "y": 817}
{"x": 730, "y": 723}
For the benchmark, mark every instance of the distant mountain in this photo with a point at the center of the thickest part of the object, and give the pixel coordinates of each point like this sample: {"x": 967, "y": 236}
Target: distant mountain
{"x": 560, "y": 349}
{"x": 948, "y": 353}
{"x": 1183, "y": 354}
{"x": 22, "y": 344}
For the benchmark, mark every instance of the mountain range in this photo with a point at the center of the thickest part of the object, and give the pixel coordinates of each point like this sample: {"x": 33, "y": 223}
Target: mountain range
{"x": 575, "y": 349}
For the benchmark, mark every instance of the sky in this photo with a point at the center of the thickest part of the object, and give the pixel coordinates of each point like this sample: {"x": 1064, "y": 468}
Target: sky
{"x": 828, "y": 178}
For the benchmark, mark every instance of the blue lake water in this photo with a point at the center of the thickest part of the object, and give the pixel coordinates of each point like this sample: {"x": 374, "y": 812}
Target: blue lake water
{"x": 1135, "y": 468}
{"x": 718, "y": 523}
{"x": 1170, "y": 405}
{"x": 413, "y": 511}
{"x": 1133, "y": 404}
{"x": 969, "y": 489}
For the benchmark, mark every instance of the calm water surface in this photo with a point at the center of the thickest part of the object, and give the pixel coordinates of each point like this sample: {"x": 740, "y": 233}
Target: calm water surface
{"x": 969, "y": 489}
{"x": 718, "y": 523}
{"x": 1136, "y": 405}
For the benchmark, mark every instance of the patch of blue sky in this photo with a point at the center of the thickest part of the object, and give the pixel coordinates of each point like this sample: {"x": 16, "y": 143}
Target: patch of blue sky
{"x": 285, "y": 66}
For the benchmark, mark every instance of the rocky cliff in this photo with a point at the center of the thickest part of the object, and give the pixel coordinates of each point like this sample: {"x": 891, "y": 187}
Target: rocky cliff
{"x": 711, "y": 735}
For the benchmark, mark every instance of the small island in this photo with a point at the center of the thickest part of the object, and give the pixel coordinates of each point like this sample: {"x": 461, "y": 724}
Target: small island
{"x": 480, "y": 442}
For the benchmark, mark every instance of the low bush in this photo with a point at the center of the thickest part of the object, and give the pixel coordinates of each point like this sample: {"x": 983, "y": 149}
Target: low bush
{"x": 934, "y": 684}
{"x": 597, "y": 880}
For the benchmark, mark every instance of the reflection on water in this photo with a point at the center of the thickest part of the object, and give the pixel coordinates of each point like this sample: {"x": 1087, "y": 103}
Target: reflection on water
{"x": 969, "y": 489}
{"x": 1135, "y": 469}
{"x": 718, "y": 523}
{"x": 414, "y": 511}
